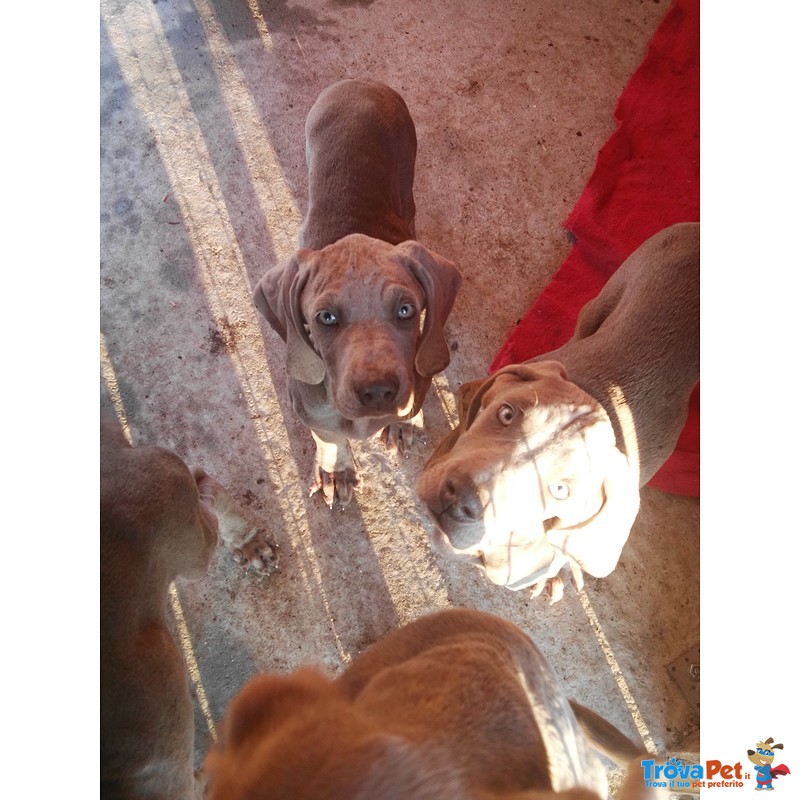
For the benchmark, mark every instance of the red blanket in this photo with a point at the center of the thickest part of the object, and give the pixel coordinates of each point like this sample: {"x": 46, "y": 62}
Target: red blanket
{"x": 647, "y": 177}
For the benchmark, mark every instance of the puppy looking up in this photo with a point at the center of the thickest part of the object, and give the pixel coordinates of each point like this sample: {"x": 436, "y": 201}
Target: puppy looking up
{"x": 544, "y": 469}
{"x": 158, "y": 520}
{"x": 458, "y": 705}
{"x": 361, "y": 305}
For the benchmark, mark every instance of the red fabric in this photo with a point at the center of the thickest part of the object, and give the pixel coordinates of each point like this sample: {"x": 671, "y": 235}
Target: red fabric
{"x": 647, "y": 176}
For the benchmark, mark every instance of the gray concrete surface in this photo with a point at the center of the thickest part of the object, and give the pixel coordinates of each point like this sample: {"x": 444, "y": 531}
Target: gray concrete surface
{"x": 203, "y": 185}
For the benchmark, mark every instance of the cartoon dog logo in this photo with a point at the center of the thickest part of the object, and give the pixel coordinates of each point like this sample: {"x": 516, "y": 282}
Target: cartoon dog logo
{"x": 762, "y": 757}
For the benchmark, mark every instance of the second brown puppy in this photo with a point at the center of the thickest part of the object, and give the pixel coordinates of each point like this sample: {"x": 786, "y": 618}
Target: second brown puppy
{"x": 459, "y": 704}
{"x": 543, "y": 472}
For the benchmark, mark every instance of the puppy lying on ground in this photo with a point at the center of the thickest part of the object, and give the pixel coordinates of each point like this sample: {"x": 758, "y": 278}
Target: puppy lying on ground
{"x": 350, "y": 301}
{"x": 458, "y": 705}
{"x": 158, "y": 520}
{"x": 544, "y": 468}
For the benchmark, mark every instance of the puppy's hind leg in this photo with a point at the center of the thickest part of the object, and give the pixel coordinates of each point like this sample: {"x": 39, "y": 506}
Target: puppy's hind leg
{"x": 248, "y": 540}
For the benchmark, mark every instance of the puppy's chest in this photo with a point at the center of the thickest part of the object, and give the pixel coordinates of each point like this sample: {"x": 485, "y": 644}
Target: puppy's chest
{"x": 314, "y": 405}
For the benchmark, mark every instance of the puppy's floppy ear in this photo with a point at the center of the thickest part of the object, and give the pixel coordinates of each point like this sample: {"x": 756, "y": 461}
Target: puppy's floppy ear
{"x": 464, "y": 401}
{"x": 537, "y": 370}
{"x": 267, "y": 700}
{"x": 596, "y": 544}
{"x": 469, "y": 399}
{"x": 440, "y": 281}
{"x": 253, "y": 720}
{"x": 471, "y": 392}
{"x": 466, "y": 393}
{"x": 278, "y": 297}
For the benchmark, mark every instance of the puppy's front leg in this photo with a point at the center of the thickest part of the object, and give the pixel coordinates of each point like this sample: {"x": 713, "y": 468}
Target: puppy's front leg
{"x": 555, "y": 586}
{"x": 248, "y": 540}
{"x": 398, "y": 437}
{"x": 334, "y": 471}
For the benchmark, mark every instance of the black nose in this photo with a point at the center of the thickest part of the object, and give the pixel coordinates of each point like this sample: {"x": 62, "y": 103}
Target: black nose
{"x": 378, "y": 394}
{"x": 460, "y": 500}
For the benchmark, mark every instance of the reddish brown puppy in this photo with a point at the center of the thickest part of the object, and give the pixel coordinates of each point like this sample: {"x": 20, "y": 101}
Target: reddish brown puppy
{"x": 458, "y": 705}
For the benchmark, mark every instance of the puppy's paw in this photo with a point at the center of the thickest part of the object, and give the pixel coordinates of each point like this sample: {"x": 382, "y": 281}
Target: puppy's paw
{"x": 334, "y": 471}
{"x": 341, "y": 484}
{"x": 399, "y": 436}
{"x": 258, "y": 553}
{"x": 249, "y": 542}
{"x": 553, "y": 588}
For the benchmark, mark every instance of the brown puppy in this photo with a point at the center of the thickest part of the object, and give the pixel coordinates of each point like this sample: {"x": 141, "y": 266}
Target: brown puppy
{"x": 458, "y": 705}
{"x": 158, "y": 520}
{"x": 350, "y": 303}
{"x": 544, "y": 469}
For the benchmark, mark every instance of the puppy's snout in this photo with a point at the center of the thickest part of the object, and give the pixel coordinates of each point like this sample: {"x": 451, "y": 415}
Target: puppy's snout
{"x": 378, "y": 394}
{"x": 460, "y": 500}
{"x": 461, "y": 509}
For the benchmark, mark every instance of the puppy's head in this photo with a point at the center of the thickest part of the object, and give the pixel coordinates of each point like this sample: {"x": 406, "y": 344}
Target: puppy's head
{"x": 297, "y": 737}
{"x": 350, "y": 315}
{"x": 531, "y": 480}
{"x": 149, "y": 497}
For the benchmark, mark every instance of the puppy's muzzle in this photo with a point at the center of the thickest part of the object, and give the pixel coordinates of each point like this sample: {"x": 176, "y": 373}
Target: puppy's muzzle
{"x": 460, "y": 512}
{"x": 459, "y": 508}
{"x": 379, "y": 395}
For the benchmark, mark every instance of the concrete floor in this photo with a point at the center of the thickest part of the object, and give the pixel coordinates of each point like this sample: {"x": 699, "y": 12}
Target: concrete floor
{"x": 203, "y": 185}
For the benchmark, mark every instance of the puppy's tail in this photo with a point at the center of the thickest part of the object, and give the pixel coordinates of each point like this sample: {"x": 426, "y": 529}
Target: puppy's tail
{"x": 614, "y": 744}
{"x": 605, "y": 737}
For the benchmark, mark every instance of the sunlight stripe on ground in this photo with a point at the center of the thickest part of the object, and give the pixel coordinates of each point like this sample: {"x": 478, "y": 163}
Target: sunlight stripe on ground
{"x": 446, "y": 398}
{"x": 277, "y": 203}
{"x": 191, "y": 661}
{"x": 261, "y": 24}
{"x": 616, "y": 671}
{"x": 110, "y": 380}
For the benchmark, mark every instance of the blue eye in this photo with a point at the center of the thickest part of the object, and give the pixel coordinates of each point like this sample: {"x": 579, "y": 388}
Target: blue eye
{"x": 406, "y": 311}
{"x": 326, "y": 318}
{"x": 506, "y": 413}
